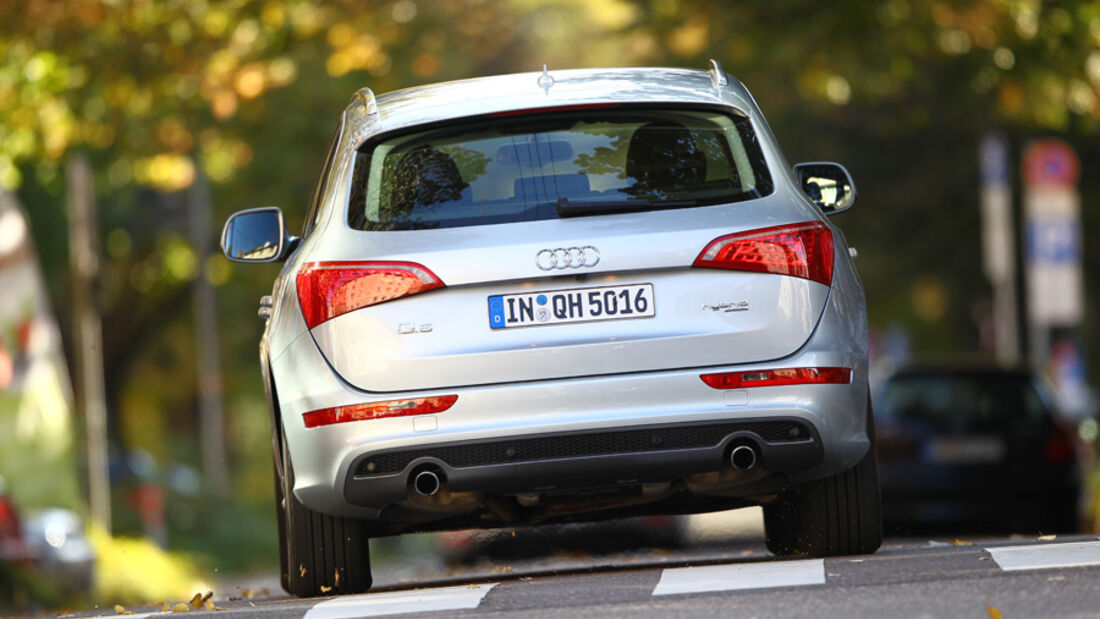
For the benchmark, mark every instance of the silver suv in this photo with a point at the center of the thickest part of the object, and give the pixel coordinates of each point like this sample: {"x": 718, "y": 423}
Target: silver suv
{"x": 548, "y": 297}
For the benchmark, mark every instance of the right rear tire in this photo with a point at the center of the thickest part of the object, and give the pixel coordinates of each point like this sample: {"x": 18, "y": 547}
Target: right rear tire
{"x": 838, "y": 515}
{"x": 324, "y": 555}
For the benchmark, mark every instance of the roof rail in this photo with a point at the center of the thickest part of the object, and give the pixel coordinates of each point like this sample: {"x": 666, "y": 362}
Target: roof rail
{"x": 365, "y": 97}
{"x": 717, "y": 75}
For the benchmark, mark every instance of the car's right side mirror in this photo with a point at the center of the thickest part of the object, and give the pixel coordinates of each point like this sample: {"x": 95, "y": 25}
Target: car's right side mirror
{"x": 256, "y": 235}
{"x": 827, "y": 184}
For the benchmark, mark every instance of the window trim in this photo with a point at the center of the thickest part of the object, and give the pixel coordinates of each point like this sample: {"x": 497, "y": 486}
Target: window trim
{"x": 313, "y": 214}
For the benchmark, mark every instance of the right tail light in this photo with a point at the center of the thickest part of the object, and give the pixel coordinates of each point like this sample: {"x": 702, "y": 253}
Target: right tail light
{"x": 802, "y": 250}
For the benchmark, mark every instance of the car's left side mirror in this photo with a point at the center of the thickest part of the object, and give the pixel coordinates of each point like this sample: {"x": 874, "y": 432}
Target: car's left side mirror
{"x": 827, "y": 184}
{"x": 257, "y": 235}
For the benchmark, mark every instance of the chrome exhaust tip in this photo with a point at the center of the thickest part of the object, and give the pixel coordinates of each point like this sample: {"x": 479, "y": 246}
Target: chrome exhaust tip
{"x": 426, "y": 483}
{"x": 743, "y": 457}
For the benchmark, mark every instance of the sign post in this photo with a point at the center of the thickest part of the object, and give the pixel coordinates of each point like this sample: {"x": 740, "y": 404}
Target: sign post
{"x": 999, "y": 247}
{"x": 1055, "y": 281}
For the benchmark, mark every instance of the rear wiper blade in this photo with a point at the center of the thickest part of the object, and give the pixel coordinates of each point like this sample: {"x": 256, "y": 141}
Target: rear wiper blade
{"x": 570, "y": 208}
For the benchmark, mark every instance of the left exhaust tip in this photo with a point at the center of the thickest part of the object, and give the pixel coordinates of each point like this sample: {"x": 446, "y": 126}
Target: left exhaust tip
{"x": 426, "y": 483}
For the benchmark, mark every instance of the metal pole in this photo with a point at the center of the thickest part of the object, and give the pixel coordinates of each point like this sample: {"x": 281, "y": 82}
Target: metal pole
{"x": 204, "y": 303}
{"x": 84, "y": 264}
{"x": 998, "y": 241}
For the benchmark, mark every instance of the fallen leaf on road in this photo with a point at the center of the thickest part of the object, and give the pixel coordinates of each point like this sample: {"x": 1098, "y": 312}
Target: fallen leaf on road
{"x": 121, "y": 610}
{"x": 502, "y": 569}
{"x": 252, "y": 605}
{"x": 196, "y": 602}
{"x": 962, "y": 542}
{"x": 181, "y": 608}
{"x": 994, "y": 612}
{"x": 165, "y": 607}
{"x": 1047, "y": 538}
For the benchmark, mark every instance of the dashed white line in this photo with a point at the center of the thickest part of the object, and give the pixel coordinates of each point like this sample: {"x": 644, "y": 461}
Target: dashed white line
{"x": 1046, "y": 556}
{"x": 396, "y": 602}
{"x": 741, "y": 576}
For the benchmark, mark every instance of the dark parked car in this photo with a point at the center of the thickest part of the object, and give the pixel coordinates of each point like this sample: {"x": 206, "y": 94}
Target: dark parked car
{"x": 974, "y": 448}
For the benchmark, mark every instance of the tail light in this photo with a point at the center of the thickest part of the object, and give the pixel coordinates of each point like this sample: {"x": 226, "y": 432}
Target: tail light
{"x": 1059, "y": 447}
{"x": 803, "y": 250}
{"x": 379, "y": 410}
{"x": 775, "y": 378}
{"x": 328, "y": 289}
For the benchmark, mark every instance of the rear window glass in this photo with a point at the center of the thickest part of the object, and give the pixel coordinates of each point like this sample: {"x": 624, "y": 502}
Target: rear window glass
{"x": 979, "y": 400}
{"x": 527, "y": 168}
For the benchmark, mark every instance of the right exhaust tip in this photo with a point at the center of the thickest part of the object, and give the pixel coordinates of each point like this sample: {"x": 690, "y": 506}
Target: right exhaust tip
{"x": 426, "y": 483}
{"x": 743, "y": 457}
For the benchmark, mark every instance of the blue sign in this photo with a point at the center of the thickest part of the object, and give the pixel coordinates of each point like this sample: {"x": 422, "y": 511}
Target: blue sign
{"x": 1053, "y": 241}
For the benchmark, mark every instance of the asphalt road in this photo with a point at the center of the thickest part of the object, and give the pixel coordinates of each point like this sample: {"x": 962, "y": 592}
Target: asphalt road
{"x": 914, "y": 577}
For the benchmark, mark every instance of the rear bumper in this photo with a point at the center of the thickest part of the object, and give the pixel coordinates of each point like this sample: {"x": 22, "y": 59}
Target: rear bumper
{"x": 582, "y": 460}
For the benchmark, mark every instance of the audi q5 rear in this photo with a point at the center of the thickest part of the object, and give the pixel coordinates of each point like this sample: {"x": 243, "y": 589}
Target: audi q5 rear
{"x": 556, "y": 296}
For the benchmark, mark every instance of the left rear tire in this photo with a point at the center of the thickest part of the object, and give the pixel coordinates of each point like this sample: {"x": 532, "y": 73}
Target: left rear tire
{"x": 324, "y": 555}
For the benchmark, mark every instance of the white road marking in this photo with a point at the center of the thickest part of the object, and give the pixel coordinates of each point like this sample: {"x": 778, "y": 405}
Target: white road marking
{"x": 395, "y": 602}
{"x": 1046, "y": 556}
{"x": 741, "y": 576}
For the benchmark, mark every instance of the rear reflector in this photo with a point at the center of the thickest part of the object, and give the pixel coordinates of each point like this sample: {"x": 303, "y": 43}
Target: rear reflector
{"x": 328, "y": 289}
{"x": 775, "y": 378}
{"x": 378, "y": 410}
{"x": 803, "y": 250}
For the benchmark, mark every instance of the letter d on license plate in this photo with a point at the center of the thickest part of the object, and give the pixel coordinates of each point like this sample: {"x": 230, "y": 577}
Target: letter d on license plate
{"x": 532, "y": 309}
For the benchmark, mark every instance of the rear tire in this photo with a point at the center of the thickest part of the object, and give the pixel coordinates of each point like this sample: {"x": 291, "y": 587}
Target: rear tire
{"x": 838, "y": 515}
{"x": 280, "y": 517}
{"x": 324, "y": 555}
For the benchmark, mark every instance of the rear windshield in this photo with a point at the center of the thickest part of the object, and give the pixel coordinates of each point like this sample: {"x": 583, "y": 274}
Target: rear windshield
{"x": 577, "y": 163}
{"x": 962, "y": 400}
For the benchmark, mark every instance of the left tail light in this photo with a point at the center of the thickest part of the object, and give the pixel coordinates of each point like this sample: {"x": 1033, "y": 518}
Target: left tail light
{"x": 803, "y": 250}
{"x": 329, "y": 289}
{"x": 378, "y": 410}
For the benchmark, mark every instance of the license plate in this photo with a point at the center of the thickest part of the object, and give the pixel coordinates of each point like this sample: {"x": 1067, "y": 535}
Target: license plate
{"x": 975, "y": 450}
{"x": 533, "y": 309}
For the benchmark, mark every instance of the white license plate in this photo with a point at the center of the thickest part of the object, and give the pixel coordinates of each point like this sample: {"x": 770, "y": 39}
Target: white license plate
{"x": 531, "y": 309}
{"x": 975, "y": 450}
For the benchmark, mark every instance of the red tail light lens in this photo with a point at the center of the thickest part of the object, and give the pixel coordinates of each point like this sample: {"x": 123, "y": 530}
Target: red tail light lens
{"x": 775, "y": 378}
{"x": 1059, "y": 447}
{"x": 378, "y": 410}
{"x": 803, "y": 250}
{"x": 328, "y": 289}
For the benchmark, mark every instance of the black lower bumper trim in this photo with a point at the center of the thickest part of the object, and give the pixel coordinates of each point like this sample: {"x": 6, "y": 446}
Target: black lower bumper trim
{"x": 583, "y": 459}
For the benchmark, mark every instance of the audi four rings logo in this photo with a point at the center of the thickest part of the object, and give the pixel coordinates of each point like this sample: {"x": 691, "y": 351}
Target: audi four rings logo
{"x": 567, "y": 258}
